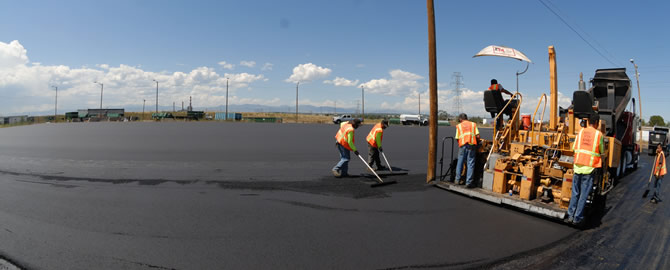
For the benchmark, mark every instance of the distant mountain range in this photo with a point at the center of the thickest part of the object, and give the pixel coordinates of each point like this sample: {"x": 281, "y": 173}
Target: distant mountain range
{"x": 236, "y": 108}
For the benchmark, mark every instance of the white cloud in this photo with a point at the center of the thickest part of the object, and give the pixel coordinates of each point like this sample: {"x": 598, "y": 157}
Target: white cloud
{"x": 267, "y": 66}
{"x": 225, "y": 65}
{"x": 12, "y": 54}
{"x": 339, "y": 81}
{"x": 241, "y": 80}
{"x": 248, "y": 63}
{"x": 27, "y": 84}
{"x": 308, "y": 72}
{"x": 400, "y": 83}
{"x": 360, "y": 65}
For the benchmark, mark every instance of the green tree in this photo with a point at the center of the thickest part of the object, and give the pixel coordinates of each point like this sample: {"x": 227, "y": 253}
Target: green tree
{"x": 442, "y": 115}
{"x": 656, "y": 120}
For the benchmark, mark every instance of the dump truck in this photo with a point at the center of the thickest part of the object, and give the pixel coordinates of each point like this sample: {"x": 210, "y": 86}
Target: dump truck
{"x": 658, "y": 136}
{"x": 532, "y": 169}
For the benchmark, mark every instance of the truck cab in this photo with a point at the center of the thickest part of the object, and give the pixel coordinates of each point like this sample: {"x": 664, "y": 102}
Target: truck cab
{"x": 342, "y": 118}
{"x": 658, "y": 136}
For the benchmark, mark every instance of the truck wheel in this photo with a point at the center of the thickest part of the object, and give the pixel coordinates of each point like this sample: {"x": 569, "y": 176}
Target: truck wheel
{"x": 338, "y": 121}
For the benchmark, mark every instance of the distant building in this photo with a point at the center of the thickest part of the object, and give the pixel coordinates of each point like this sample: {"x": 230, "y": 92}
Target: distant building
{"x": 101, "y": 113}
{"x": 7, "y": 120}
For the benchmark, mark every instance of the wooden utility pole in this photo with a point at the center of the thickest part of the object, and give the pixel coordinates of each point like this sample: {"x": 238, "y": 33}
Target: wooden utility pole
{"x": 432, "y": 66}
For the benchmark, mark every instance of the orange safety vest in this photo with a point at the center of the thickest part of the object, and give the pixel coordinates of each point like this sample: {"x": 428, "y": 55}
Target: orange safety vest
{"x": 587, "y": 148}
{"x": 496, "y": 87}
{"x": 372, "y": 136}
{"x": 466, "y": 133}
{"x": 343, "y": 133}
{"x": 660, "y": 170}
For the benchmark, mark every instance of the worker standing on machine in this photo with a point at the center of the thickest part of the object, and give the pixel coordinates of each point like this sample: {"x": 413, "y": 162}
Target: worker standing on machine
{"x": 467, "y": 135}
{"x": 659, "y": 172}
{"x": 495, "y": 86}
{"x": 588, "y": 146}
{"x": 374, "y": 139}
{"x": 498, "y": 87}
{"x": 344, "y": 139}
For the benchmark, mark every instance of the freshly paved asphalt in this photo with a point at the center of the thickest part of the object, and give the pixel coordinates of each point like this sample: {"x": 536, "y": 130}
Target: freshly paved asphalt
{"x": 237, "y": 196}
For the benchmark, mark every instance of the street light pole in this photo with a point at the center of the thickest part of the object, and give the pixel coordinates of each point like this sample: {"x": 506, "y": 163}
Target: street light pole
{"x": 296, "y": 102}
{"x": 156, "y": 95}
{"x": 102, "y": 86}
{"x": 363, "y": 103}
{"x": 56, "y": 106}
{"x": 144, "y": 102}
{"x": 226, "y": 116}
{"x": 639, "y": 98}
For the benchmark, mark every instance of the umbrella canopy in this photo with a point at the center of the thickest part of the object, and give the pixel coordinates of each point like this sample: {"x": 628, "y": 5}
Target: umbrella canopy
{"x": 495, "y": 50}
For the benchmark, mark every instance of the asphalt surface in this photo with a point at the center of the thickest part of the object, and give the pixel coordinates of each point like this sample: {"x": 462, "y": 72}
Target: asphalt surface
{"x": 633, "y": 234}
{"x": 237, "y": 195}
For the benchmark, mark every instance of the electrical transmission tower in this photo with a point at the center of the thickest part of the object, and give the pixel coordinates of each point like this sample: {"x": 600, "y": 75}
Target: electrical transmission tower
{"x": 457, "y": 83}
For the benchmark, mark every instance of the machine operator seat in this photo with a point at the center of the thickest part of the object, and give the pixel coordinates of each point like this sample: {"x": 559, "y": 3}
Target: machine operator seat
{"x": 494, "y": 103}
{"x": 583, "y": 104}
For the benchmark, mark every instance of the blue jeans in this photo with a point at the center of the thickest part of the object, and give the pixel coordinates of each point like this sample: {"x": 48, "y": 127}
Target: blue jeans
{"x": 657, "y": 188}
{"x": 581, "y": 187}
{"x": 466, "y": 151}
{"x": 343, "y": 165}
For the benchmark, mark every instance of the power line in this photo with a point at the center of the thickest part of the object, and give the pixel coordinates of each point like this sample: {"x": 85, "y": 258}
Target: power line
{"x": 589, "y": 36}
{"x": 578, "y": 34}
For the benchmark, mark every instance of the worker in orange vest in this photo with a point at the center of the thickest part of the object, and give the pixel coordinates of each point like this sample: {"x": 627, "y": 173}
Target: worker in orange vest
{"x": 659, "y": 172}
{"x": 498, "y": 87}
{"x": 589, "y": 145}
{"x": 344, "y": 139}
{"x": 374, "y": 139}
{"x": 467, "y": 135}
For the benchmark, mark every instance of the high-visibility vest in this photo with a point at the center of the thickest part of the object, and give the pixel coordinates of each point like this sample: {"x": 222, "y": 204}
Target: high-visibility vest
{"x": 659, "y": 170}
{"x": 496, "y": 87}
{"x": 372, "y": 136}
{"x": 466, "y": 133}
{"x": 343, "y": 133}
{"x": 587, "y": 148}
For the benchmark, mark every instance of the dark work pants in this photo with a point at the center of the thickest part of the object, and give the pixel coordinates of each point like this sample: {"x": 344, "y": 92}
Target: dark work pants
{"x": 373, "y": 156}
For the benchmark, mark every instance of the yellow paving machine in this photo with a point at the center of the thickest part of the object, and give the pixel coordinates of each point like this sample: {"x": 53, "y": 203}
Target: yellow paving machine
{"x": 528, "y": 164}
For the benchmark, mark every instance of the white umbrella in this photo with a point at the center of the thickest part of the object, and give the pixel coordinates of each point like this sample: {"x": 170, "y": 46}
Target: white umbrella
{"x": 502, "y": 51}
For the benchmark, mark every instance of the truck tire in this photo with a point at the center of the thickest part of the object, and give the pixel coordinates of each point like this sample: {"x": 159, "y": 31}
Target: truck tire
{"x": 338, "y": 121}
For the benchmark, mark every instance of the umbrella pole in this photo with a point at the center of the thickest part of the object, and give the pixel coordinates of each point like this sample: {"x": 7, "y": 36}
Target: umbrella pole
{"x": 517, "y": 77}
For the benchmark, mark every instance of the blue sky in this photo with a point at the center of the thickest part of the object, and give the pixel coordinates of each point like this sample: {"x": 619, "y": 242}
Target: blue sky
{"x": 332, "y": 47}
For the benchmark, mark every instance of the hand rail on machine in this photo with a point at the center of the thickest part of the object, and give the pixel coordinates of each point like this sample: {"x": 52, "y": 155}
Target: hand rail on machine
{"x": 442, "y": 176}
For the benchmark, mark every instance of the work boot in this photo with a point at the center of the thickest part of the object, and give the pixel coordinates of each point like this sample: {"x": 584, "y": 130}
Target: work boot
{"x": 462, "y": 182}
{"x": 653, "y": 200}
{"x": 381, "y": 168}
{"x": 569, "y": 219}
{"x": 336, "y": 173}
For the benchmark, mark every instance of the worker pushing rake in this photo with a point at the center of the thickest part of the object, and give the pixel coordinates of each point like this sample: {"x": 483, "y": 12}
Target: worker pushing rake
{"x": 658, "y": 171}
{"x": 345, "y": 143}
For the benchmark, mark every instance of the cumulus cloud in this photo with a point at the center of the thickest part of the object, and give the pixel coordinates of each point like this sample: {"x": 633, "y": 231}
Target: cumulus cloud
{"x": 226, "y": 65}
{"x": 339, "y": 81}
{"x": 400, "y": 83}
{"x": 267, "y": 66}
{"x": 27, "y": 84}
{"x": 308, "y": 72}
{"x": 12, "y": 54}
{"x": 248, "y": 63}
